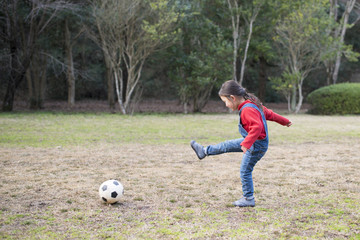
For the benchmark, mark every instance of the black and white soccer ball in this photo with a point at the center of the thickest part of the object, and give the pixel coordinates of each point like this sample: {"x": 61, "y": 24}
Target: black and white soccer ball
{"x": 111, "y": 191}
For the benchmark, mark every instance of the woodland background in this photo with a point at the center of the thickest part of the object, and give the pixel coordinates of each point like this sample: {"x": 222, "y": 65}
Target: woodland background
{"x": 129, "y": 51}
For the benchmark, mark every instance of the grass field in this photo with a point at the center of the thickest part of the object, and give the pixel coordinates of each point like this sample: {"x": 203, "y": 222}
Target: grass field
{"x": 306, "y": 187}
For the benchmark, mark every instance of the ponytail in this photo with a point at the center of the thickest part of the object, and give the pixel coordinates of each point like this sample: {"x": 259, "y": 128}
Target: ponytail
{"x": 254, "y": 99}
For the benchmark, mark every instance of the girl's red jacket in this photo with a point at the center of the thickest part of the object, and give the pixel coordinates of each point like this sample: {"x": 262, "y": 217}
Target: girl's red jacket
{"x": 252, "y": 122}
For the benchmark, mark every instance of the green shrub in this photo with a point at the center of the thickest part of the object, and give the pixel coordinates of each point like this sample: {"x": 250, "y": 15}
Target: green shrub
{"x": 343, "y": 98}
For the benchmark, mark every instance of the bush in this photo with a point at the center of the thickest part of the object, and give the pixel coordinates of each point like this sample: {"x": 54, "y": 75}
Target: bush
{"x": 341, "y": 98}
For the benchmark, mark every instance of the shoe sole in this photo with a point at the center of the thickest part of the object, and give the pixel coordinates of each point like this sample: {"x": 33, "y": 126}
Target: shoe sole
{"x": 235, "y": 205}
{"x": 243, "y": 206}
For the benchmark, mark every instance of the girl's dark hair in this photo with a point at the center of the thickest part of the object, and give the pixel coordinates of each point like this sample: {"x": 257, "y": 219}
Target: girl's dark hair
{"x": 231, "y": 87}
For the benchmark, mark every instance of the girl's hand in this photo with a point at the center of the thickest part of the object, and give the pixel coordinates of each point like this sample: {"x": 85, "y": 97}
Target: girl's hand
{"x": 244, "y": 149}
{"x": 289, "y": 124}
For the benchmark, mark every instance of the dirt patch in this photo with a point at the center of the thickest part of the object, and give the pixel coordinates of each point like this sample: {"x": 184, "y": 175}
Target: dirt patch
{"x": 299, "y": 188}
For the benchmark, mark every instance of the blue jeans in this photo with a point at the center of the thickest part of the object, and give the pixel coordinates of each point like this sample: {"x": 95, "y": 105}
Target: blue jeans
{"x": 250, "y": 158}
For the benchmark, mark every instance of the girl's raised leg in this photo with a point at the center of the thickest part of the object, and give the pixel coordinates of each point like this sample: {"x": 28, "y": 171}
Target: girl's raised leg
{"x": 224, "y": 147}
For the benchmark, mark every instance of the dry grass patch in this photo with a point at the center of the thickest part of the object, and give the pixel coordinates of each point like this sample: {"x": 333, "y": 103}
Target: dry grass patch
{"x": 52, "y": 193}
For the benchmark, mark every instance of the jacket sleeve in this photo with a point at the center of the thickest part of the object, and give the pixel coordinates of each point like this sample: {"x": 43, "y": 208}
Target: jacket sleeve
{"x": 272, "y": 116}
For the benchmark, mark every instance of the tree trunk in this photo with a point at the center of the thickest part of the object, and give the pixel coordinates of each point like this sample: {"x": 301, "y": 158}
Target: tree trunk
{"x": 262, "y": 79}
{"x": 9, "y": 95}
{"x": 329, "y": 71}
{"x": 235, "y": 20}
{"x": 235, "y": 56}
{"x": 110, "y": 84}
{"x": 288, "y": 98}
{"x": 293, "y": 99}
{"x": 246, "y": 49}
{"x": 29, "y": 84}
{"x": 238, "y": 68}
{"x": 119, "y": 92}
{"x": 70, "y": 65}
{"x": 348, "y": 8}
{"x": 301, "y": 98}
{"x": 186, "y": 108}
{"x": 202, "y": 98}
{"x": 336, "y": 68}
{"x": 17, "y": 73}
{"x": 36, "y": 78}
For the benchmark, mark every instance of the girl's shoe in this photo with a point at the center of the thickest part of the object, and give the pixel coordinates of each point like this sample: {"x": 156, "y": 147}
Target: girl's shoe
{"x": 245, "y": 202}
{"x": 199, "y": 150}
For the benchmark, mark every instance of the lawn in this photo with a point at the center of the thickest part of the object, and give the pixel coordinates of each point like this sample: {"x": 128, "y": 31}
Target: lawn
{"x": 306, "y": 187}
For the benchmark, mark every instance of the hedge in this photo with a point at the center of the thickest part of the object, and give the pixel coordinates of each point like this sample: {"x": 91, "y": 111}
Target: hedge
{"x": 343, "y": 98}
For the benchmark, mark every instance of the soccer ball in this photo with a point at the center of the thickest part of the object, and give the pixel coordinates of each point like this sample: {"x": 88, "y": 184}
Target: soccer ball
{"x": 111, "y": 191}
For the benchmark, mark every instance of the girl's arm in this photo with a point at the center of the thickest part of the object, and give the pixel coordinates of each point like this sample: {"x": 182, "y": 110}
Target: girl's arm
{"x": 272, "y": 116}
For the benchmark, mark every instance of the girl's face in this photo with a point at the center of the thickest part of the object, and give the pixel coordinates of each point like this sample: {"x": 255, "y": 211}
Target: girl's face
{"x": 232, "y": 102}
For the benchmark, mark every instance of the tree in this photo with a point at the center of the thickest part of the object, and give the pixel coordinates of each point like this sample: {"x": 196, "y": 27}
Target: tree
{"x": 108, "y": 41}
{"x": 261, "y": 54}
{"x": 201, "y": 57}
{"x": 69, "y": 41}
{"x": 249, "y": 13}
{"x": 302, "y": 38}
{"x": 285, "y": 85}
{"x": 128, "y": 32}
{"x": 333, "y": 64}
{"x": 22, "y": 24}
{"x": 36, "y": 80}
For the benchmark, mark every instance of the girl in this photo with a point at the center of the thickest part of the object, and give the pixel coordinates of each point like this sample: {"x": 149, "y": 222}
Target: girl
{"x": 253, "y": 128}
